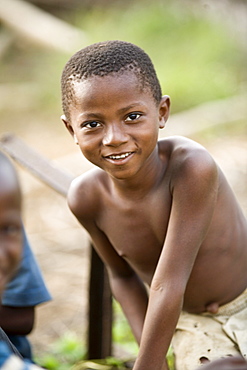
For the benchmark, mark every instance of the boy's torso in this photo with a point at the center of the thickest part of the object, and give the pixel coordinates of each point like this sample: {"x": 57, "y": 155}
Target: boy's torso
{"x": 137, "y": 228}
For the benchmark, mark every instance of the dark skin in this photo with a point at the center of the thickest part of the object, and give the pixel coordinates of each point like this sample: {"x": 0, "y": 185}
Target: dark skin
{"x": 16, "y": 320}
{"x": 159, "y": 213}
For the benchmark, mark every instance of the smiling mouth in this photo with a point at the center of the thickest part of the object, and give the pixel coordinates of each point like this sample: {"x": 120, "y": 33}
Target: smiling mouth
{"x": 119, "y": 156}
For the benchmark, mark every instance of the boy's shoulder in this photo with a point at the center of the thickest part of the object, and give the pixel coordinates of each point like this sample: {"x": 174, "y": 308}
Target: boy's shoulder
{"x": 84, "y": 193}
{"x": 180, "y": 145}
{"x": 180, "y": 150}
{"x": 186, "y": 158}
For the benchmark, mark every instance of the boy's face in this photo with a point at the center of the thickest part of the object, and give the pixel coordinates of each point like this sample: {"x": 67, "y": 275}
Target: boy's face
{"x": 116, "y": 123}
{"x": 10, "y": 231}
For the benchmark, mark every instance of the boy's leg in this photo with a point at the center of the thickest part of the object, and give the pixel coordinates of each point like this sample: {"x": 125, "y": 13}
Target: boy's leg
{"x": 198, "y": 339}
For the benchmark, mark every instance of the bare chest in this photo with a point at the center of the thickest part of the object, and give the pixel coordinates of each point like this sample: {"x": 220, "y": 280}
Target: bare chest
{"x": 137, "y": 230}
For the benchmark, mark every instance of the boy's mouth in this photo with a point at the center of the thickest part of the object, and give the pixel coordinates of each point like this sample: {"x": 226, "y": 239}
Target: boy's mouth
{"x": 119, "y": 156}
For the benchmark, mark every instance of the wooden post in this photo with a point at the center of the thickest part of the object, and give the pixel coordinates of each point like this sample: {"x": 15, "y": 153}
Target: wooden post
{"x": 100, "y": 313}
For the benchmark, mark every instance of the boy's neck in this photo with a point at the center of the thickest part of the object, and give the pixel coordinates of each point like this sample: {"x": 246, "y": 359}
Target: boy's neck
{"x": 142, "y": 183}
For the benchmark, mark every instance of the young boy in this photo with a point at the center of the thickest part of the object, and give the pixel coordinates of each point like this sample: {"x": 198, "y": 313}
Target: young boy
{"x": 159, "y": 213}
{"x": 11, "y": 241}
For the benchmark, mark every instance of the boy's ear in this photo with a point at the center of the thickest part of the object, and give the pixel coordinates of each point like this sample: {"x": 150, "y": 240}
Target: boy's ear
{"x": 164, "y": 110}
{"x": 69, "y": 128}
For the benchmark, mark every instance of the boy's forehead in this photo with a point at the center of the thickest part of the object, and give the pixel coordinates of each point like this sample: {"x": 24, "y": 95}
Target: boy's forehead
{"x": 113, "y": 78}
{"x": 10, "y": 198}
{"x": 126, "y": 81}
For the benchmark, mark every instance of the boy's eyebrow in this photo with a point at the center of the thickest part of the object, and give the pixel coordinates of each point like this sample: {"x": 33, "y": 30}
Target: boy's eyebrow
{"x": 125, "y": 109}
{"x": 88, "y": 115}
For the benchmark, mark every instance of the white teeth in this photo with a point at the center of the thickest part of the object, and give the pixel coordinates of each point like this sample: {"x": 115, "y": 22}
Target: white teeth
{"x": 122, "y": 156}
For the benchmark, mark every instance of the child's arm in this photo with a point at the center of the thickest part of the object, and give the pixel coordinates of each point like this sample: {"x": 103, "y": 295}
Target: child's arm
{"x": 131, "y": 293}
{"x": 194, "y": 192}
{"x": 16, "y": 320}
{"x": 126, "y": 286}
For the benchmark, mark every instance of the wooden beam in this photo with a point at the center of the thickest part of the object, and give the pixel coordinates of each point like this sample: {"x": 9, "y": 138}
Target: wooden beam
{"x": 41, "y": 27}
{"x": 38, "y": 165}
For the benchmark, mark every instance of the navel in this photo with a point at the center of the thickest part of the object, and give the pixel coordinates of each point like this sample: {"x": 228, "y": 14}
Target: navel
{"x": 212, "y": 307}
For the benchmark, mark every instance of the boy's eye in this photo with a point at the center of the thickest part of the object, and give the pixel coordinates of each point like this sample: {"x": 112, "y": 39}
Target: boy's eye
{"x": 133, "y": 116}
{"x": 11, "y": 230}
{"x": 92, "y": 124}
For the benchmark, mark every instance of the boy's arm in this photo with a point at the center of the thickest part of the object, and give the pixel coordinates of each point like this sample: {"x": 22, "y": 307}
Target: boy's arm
{"x": 126, "y": 286}
{"x": 194, "y": 192}
{"x": 131, "y": 293}
{"x": 16, "y": 320}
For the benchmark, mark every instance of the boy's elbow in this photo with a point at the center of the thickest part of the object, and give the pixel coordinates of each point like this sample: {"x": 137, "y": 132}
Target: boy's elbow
{"x": 169, "y": 292}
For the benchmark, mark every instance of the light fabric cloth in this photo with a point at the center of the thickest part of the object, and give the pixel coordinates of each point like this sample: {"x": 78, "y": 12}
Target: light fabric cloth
{"x": 10, "y": 360}
{"x": 15, "y": 363}
{"x": 211, "y": 336}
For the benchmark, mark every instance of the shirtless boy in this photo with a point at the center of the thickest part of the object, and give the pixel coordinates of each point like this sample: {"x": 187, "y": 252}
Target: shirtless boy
{"x": 160, "y": 213}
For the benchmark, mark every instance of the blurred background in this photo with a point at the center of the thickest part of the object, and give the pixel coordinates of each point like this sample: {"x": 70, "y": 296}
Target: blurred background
{"x": 199, "y": 51}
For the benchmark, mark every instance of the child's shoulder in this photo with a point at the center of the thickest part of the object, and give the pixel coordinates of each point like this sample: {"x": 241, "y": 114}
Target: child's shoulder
{"x": 84, "y": 192}
{"x": 186, "y": 157}
{"x": 180, "y": 145}
{"x": 180, "y": 148}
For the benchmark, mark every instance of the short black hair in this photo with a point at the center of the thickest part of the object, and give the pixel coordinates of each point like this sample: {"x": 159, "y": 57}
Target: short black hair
{"x": 104, "y": 58}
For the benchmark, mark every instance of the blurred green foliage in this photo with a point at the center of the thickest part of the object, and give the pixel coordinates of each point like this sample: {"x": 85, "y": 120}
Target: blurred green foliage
{"x": 64, "y": 353}
{"x": 197, "y": 57}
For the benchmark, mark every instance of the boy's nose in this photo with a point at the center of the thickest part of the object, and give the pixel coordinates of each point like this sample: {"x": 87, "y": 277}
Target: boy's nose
{"x": 115, "y": 135}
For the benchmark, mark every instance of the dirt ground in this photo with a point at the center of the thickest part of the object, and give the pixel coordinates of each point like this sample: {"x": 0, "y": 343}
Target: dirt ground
{"x": 61, "y": 246}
